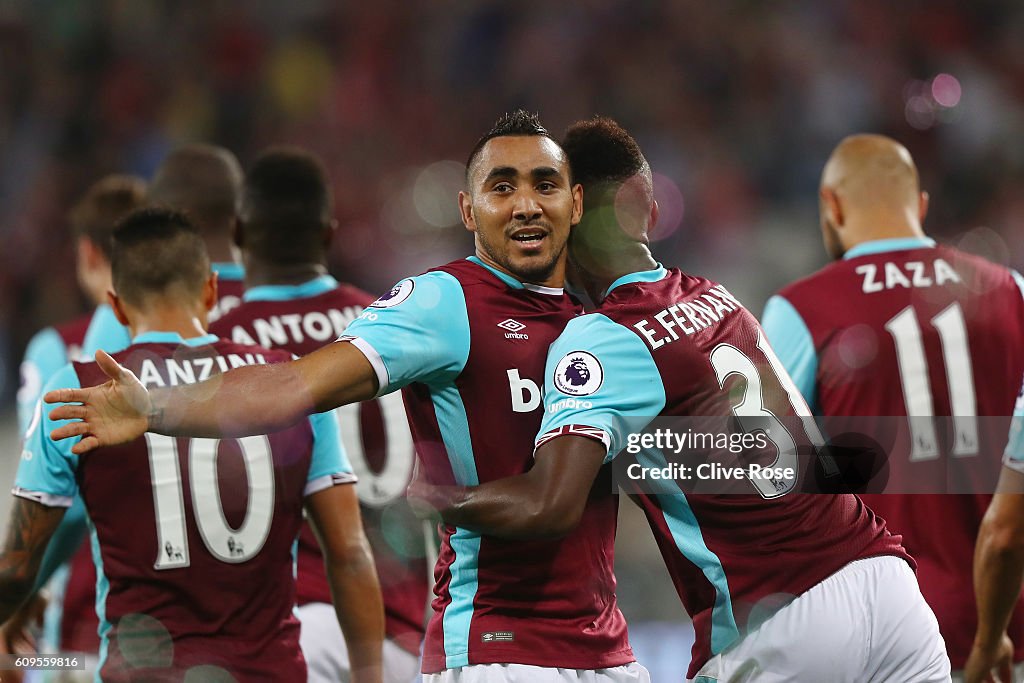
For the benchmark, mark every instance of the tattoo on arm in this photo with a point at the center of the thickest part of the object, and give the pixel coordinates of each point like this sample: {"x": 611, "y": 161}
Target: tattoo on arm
{"x": 28, "y": 533}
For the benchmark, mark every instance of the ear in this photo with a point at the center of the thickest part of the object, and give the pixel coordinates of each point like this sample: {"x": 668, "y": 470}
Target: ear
{"x": 119, "y": 308}
{"x": 238, "y": 233}
{"x": 655, "y": 212}
{"x": 832, "y": 206}
{"x": 210, "y": 292}
{"x": 466, "y": 211}
{"x": 922, "y": 206}
{"x": 577, "y": 204}
{"x": 93, "y": 256}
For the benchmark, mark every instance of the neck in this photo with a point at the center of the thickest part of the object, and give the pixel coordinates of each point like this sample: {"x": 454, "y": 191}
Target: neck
{"x": 555, "y": 278}
{"x": 634, "y": 258}
{"x": 869, "y": 228}
{"x": 186, "y": 322}
{"x": 221, "y": 249}
{"x": 259, "y": 272}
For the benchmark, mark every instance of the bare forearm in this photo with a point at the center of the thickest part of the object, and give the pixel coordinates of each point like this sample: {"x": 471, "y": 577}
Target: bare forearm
{"x": 546, "y": 502}
{"x": 998, "y": 571}
{"x": 28, "y": 533}
{"x": 360, "y": 609}
{"x": 259, "y": 399}
{"x": 256, "y": 399}
{"x": 508, "y": 508}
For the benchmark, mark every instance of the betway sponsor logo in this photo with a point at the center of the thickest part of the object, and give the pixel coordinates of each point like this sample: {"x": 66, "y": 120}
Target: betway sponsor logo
{"x": 526, "y": 394}
{"x": 296, "y": 328}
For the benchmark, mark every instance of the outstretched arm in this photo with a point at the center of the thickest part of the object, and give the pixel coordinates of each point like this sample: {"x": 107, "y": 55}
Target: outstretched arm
{"x": 31, "y": 526}
{"x": 355, "y": 589}
{"x": 998, "y": 571}
{"x": 547, "y": 501}
{"x": 255, "y": 399}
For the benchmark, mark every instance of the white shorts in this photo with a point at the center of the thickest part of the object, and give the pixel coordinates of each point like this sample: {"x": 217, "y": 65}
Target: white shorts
{"x": 867, "y": 623}
{"x": 323, "y": 646}
{"x": 524, "y": 673}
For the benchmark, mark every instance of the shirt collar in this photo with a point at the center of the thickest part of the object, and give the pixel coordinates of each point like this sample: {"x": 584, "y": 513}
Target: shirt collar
{"x": 157, "y": 337}
{"x": 639, "y": 276}
{"x": 228, "y": 270}
{"x": 516, "y": 284}
{"x": 314, "y": 287}
{"x": 892, "y": 244}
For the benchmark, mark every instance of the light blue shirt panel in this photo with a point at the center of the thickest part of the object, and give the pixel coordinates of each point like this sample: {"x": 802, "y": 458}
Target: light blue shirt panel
{"x": 1014, "y": 455}
{"x": 44, "y": 356}
{"x": 105, "y": 332}
{"x": 631, "y": 385}
{"x": 793, "y": 344}
{"x": 1019, "y": 280}
{"x": 228, "y": 270}
{"x": 305, "y": 290}
{"x": 422, "y": 338}
{"x": 48, "y": 466}
{"x": 890, "y": 244}
{"x": 329, "y": 456}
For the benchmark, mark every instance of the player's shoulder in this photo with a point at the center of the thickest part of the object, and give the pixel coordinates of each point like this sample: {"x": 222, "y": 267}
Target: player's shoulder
{"x": 593, "y": 330}
{"x": 974, "y": 265}
{"x": 72, "y": 332}
{"x": 813, "y": 283}
{"x": 252, "y": 353}
{"x": 426, "y": 290}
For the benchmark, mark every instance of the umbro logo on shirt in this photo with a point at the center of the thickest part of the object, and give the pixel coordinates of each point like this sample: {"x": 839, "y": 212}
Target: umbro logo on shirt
{"x": 499, "y": 637}
{"x": 513, "y": 327}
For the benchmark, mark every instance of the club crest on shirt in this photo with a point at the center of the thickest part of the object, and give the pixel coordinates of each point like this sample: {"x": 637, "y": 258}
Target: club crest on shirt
{"x": 397, "y": 295}
{"x": 578, "y": 374}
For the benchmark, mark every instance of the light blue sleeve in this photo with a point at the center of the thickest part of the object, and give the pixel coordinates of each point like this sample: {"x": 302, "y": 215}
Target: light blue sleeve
{"x": 1019, "y": 280}
{"x": 329, "y": 457}
{"x": 1014, "y": 454}
{"x": 417, "y": 332}
{"x": 789, "y": 337}
{"x": 105, "y": 332}
{"x": 600, "y": 376}
{"x": 45, "y": 355}
{"x": 46, "y": 472}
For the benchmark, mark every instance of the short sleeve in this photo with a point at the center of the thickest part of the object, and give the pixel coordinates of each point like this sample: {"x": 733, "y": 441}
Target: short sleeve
{"x": 600, "y": 382}
{"x": 1019, "y": 280}
{"x": 1014, "y": 454}
{"x": 46, "y": 472}
{"x": 105, "y": 332}
{"x": 44, "y": 356}
{"x": 792, "y": 342}
{"x": 329, "y": 465}
{"x": 417, "y": 332}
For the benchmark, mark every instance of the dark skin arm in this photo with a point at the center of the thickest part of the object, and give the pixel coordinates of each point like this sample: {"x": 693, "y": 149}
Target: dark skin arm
{"x": 31, "y": 526}
{"x": 255, "y": 399}
{"x": 545, "y": 502}
{"x": 355, "y": 590}
{"x": 998, "y": 572}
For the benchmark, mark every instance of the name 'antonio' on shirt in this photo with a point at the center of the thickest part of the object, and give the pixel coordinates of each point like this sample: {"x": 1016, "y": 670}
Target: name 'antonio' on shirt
{"x": 690, "y": 316}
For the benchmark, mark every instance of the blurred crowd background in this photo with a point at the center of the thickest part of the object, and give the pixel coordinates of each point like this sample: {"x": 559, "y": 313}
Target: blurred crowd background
{"x": 736, "y": 104}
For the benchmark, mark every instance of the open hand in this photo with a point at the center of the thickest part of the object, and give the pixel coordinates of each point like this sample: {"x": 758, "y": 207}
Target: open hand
{"x": 112, "y": 413}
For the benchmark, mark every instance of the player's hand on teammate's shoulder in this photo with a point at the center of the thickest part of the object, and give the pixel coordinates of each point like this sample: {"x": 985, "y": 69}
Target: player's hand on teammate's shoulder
{"x": 990, "y": 664}
{"x": 109, "y": 414}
